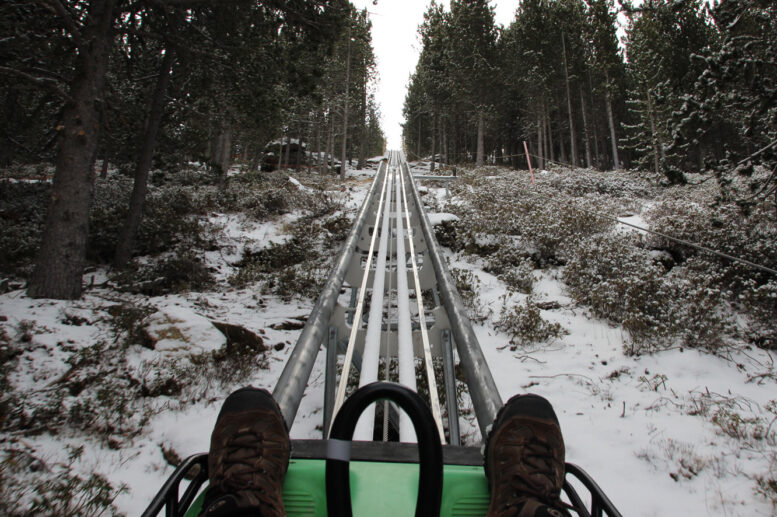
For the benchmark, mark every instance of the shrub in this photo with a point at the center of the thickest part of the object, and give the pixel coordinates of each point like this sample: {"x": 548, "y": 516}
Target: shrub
{"x": 725, "y": 228}
{"x": 519, "y": 278}
{"x": 23, "y": 209}
{"x": 180, "y": 271}
{"x": 166, "y": 221}
{"x": 468, "y": 285}
{"x": 525, "y": 324}
{"x": 620, "y": 282}
{"x": 507, "y": 256}
{"x": 760, "y": 304}
{"x": 544, "y": 221}
{"x": 55, "y": 489}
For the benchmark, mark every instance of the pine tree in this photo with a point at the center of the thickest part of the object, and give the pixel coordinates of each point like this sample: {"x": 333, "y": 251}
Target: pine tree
{"x": 663, "y": 40}
{"x": 473, "y": 45}
{"x": 606, "y": 64}
{"x": 234, "y": 36}
{"x": 732, "y": 111}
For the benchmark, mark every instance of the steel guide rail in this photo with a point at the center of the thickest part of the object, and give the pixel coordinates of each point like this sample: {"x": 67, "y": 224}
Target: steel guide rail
{"x": 433, "y": 332}
{"x": 421, "y": 328}
{"x": 294, "y": 378}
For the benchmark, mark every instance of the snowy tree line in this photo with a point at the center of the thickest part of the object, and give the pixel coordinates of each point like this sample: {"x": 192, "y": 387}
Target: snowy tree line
{"x": 145, "y": 84}
{"x": 692, "y": 87}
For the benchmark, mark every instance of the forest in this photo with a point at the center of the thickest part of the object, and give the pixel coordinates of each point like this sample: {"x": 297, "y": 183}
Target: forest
{"x": 688, "y": 86}
{"x": 142, "y": 85}
{"x": 172, "y": 204}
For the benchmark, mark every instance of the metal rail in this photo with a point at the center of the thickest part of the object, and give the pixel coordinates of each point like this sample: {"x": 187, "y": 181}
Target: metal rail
{"x": 294, "y": 378}
{"x": 482, "y": 388}
{"x": 393, "y": 274}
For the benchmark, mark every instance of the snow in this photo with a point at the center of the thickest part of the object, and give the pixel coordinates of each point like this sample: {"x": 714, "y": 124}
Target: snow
{"x": 439, "y": 218}
{"x": 644, "y": 426}
{"x": 177, "y": 328}
{"x": 299, "y": 185}
{"x": 631, "y": 221}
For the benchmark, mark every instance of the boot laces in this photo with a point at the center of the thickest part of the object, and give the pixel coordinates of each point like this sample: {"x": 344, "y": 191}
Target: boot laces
{"x": 533, "y": 475}
{"x": 246, "y": 459}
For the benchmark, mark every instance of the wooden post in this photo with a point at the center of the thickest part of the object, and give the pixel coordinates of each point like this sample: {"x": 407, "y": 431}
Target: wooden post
{"x": 528, "y": 160}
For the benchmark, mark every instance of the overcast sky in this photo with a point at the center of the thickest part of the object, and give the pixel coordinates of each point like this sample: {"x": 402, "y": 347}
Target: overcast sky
{"x": 395, "y": 39}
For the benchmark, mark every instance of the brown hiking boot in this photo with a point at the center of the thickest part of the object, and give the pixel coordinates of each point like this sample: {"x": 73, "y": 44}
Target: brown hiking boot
{"x": 524, "y": 459}
{"x": 248, "y": 458}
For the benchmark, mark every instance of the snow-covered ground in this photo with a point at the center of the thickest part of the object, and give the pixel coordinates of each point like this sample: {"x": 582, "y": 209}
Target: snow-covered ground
{"x": 676, "y": 432}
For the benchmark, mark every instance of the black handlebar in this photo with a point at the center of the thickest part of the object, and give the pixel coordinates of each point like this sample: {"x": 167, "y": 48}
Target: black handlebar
{"x": 338, "y": 486}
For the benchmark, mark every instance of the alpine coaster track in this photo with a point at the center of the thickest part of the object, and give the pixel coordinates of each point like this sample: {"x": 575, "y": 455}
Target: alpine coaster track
{"x": 389, "y": 303}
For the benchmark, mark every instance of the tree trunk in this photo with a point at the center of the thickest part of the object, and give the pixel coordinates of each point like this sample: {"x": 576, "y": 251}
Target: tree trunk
{"x": 540, "y": 153}
{"x": 444, "y": 157}
{"x": 345, "y": 108}
{"x": 104, "y": 168}
{"x": 129, "y": 231}
{"x": 418, "y": 141}
{"x": 287, "y": 152}
{"x": 595, "y": 125}
{"x": 298, "y": 158}
{"x": 318, "y": 145}
{"x": 551, "y": 154}
{"x": 653, "y": 135}
{"x": 225, "y": 158}
{"x": 331, "y": 144}
{"x": 479, "y": 159}
{"x": 611, "y": 122}
{"x": 363, "y": 131}
{"x": 562, "y": 146}
{"x": 60, "y": 262}
{"x": 572, "y": 136}
{"x": 585, "y": 130}
{"x": 434, "y": 143}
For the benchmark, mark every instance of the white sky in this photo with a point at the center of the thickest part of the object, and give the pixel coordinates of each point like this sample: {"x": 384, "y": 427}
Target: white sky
{"x": 395, "y": 39}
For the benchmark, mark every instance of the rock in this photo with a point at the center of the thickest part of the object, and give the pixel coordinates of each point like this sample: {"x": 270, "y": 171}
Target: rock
{"x": 240, "y": 339}
{"x": 292, "y": 324}
{"x": 177, "y": 330}
{"x": 548, "y": 306}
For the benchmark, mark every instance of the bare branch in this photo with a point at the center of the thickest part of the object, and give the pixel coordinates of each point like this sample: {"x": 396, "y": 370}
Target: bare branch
{"x": 774, "y": 143}
{"x": 47, "y": 82}
{"x": 67, "y": 20}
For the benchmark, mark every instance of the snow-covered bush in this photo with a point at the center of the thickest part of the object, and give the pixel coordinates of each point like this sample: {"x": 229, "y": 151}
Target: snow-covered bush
{"x": 577, "y": 183}
{"x": 274, "y": 258}
{"x": 178, "y": 271}
{"x": 33, "y": 487}
{"x": 760, "y": 305}
{"x": 545, "y": 221}
{"x": 701, "y": 314}
{"x": 509, "y": 254}
{"x": 725, "y": 228}
{"x": 265, "y": 195}
{"x": 297, "y": 266}
{"x": 525, "y": 324}
{"x": 468, "y": 285}
{"x": 620, "y": 282}
{"x": 303, "y": 280}
{"x": 519, "y": 278}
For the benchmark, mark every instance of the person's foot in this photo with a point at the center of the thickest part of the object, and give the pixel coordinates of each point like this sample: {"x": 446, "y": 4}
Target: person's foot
{"x": 248, "y": 458}
{"x": 524, "y": 460}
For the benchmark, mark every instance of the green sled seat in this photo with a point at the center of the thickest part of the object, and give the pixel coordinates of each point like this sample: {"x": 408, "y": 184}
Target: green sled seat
{"x": 377, "y": 479}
